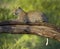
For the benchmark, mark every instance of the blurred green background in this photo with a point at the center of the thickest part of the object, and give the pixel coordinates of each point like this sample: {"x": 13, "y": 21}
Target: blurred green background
{"x": 51, "y": 8}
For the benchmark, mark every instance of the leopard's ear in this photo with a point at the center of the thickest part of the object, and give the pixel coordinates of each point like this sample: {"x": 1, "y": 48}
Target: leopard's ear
{"x": 19, "y": 11}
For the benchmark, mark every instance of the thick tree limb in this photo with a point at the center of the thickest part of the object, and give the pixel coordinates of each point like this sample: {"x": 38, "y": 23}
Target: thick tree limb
{"x": 26, "y": 29}
{"x": 9, "y": 22}
{"x": 42, "y": 29}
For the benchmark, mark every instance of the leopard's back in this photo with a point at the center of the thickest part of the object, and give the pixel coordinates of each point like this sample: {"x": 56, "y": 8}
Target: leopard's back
{"x": 35, "y": 16}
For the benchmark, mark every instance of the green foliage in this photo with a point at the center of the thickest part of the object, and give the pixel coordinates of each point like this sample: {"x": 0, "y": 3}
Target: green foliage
{"x": 5, "y": 14}
{"x": 20, "y": 41}
{"x": 51, "y": 8}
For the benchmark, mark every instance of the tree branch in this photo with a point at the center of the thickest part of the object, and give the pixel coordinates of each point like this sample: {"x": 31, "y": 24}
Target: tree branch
{"x": 27, "y": 29}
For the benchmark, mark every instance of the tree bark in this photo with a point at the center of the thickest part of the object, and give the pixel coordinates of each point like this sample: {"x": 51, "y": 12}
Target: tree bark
{"x": 30, "y": 29}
